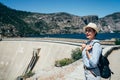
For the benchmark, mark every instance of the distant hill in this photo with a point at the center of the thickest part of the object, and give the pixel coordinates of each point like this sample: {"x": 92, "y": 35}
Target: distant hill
{"x": 15, "y": 23}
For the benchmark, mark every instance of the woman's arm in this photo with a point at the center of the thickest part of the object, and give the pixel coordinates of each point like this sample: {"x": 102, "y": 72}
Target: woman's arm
{"x": 96, "y": 52}
{"x": 88, "y": 47}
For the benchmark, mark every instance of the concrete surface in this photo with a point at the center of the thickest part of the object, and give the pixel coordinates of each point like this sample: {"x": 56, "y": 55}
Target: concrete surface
{"x": 16, "y": 55}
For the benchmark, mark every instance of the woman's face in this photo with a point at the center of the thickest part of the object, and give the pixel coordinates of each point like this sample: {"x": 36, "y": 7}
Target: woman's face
{"x": 90, "y": 33}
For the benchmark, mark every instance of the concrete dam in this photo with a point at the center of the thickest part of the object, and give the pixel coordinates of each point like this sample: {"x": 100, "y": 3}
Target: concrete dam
{"x": 19, "y": 56}
{"x": 16, "y": 56}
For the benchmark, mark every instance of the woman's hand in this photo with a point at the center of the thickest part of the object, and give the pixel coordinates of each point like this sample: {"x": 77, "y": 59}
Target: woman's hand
{"x": 83, "y": 46}
{"x": 88, "y": 47}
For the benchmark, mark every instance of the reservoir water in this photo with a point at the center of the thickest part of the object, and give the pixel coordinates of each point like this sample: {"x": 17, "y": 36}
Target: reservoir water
{"x": 100, "y": 36}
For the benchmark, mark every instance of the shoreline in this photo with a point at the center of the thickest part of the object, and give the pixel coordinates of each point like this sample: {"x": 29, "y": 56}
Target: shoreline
{"x": 103, "y": 42}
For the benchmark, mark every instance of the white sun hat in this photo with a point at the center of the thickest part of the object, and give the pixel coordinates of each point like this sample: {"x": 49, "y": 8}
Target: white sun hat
{"x": 93, "y": 26}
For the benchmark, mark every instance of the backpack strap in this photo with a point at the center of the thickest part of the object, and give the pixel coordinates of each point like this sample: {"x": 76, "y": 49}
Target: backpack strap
{"x": 94, "y": 43}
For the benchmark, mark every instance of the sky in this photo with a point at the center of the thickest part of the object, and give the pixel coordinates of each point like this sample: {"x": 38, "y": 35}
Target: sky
{"x": 100, "y": 8}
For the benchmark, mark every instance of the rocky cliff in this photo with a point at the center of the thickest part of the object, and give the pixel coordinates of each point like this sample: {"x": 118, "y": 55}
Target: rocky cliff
{"x": 21, "y": 23}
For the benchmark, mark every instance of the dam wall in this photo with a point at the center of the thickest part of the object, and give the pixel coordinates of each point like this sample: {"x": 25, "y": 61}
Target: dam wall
{"x": 16, "y": 55}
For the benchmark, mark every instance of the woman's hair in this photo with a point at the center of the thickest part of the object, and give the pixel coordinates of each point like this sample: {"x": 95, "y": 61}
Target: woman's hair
{"x": 94, "y": 31}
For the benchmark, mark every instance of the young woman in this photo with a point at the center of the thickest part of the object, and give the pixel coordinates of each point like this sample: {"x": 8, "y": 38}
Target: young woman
{"x": 91, "y": 52}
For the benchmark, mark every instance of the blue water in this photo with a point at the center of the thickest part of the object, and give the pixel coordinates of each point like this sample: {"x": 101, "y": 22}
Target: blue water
{"x": 100, "y": 36}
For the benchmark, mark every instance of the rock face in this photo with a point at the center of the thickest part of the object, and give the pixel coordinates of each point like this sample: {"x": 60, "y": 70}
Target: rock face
{"x": 20, "y": 23}
{"x": 111, "y": 22}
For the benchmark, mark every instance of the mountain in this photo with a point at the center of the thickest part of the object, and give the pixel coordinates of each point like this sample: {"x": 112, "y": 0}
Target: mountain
{"x": 110, "y": 22}
{"x": 15, "y": 23}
